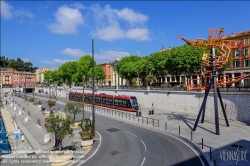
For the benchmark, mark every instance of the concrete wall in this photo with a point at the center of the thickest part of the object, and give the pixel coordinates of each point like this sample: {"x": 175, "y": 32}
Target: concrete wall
{"x": 237, "y": 104}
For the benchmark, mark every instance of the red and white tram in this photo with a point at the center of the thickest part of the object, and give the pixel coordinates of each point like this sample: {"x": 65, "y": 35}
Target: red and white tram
{"x": 125, "y": 103}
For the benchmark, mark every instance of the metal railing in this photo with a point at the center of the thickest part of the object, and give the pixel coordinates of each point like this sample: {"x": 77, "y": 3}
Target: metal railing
{"x": 124, "y": 115}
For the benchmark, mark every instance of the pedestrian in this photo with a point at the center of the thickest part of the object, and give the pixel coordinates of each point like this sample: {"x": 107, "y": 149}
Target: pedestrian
{"x": 57, "y": 141}
{"x": 6, "y": 102}
{"x": 51, "y": 112}
{"x": 45, "y": 122}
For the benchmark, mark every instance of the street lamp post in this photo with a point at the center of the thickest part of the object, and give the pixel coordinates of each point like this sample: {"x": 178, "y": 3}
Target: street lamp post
{"x": 93, "y": 90}
{"x": 83, "y": 79}
{"x": 25, "y": 87}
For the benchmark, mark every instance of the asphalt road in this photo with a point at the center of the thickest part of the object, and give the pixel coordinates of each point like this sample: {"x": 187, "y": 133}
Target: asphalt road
{"x": 124, "y": 144}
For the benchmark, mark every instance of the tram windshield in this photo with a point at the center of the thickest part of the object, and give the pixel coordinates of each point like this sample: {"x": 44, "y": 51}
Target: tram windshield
{"x": 134, "y": 102}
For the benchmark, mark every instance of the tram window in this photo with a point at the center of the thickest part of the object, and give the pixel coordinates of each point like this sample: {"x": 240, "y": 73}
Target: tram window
{"x": 90, "y": 98}
{"x": 104, "y": 100}
{"x": 120, "y": 102}
{"x": 129, "y": 104}
{"x": 111, "y": 101}
{"x": 124, "y": 103}
{"x": 116, "y": 102}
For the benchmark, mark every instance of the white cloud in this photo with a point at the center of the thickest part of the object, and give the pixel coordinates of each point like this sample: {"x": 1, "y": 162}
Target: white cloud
{"x": 110, "y": 33}
{"x": 26, "y": 59}
{"x": 138, "y": 34}
{"x": 78, "y": 6}
{"x": 131, "y": 16}
{"x": 54, "y": 61}
{"x": 110, "y": 55}
{"x": 73, "y": 52}
{"x": 6, "y": 10}
{"x": 108, "y": 23}
{"x": 67, "y": 21}
{"x": 137, "y": 52}
{"x": 23, "y": 13}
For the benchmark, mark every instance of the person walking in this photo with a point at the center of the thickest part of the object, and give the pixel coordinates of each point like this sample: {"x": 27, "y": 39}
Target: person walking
{"x": 57, "y": 141}
{"x": 45, "y": 122}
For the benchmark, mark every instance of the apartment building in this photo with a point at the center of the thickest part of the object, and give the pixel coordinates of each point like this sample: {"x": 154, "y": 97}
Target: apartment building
{"x": 108, "y": 70}
{"x": 40, "y": 74}
{"x": 240, "y": 64}
{"x": 11, "y": 78}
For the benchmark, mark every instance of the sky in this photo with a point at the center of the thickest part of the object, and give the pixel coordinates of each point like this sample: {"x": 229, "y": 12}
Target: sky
{"x": 50, "y": 33}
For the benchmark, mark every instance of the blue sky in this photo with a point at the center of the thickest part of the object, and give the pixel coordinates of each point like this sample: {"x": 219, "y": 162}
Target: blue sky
{"x": 49, "y": 33}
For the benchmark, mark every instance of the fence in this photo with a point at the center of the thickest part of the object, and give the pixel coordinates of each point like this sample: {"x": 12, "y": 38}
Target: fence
{"x": 124, "y": 115}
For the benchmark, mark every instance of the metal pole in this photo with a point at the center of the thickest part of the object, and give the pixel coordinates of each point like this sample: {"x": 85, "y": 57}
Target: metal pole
{"x": 93, "y": 88}
{"x": 83, "y": 79}
{"x": 215, "y": 93}
{"x": 25, "y": 87}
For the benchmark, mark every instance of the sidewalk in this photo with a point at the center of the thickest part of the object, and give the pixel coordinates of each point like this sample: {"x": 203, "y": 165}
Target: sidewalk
{"x": 35, "y": 136}
{"x": 230, "y": 138}
{"x": 233, "y": 140}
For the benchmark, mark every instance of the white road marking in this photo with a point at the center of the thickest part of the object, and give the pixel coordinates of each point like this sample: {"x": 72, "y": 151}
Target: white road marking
{"x": 94, "y": 152}
{"x": 143, "y": 161}
{"x": 144, "y": 145}
{"x": 155, "y": 131}
{"x": 114, "y": 127}
{"x": 131, "y": 133}
{"x": 100, "y": 121}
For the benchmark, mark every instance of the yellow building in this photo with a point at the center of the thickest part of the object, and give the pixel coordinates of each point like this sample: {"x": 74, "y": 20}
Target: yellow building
{"x": 40, "y": 74}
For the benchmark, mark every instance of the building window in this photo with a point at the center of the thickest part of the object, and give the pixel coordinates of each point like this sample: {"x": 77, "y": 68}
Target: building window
{"x": 109, "y": 76}
{"x": 109, "y": 66}
{"x": 237, "y": 53}
{"x": 245, "y": 51}
{"x": 246, "y": 62}
{"x": 228, "y": 44}
{"x": 236, "y": 64}
{"x": 246, "y": 42}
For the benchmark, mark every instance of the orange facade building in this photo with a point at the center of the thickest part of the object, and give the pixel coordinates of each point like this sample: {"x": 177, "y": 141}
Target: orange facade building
{"x": 108, "y": 70}
{"x": 11, "y": 78}
{"x": 240, "y": 63}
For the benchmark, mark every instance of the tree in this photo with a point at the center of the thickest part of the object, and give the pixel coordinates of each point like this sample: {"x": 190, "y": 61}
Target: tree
{"x": 73, "y": 108}
{"x": 67, "y": 70}
{"x": 18, "y": 64}
{"x": 183, "y": 59}
{"x": 84, "y": 66}
{"x": 156, "y": 63}
{"x": 87, "y": 132}
{"x": 51, "y": 103}
{"x": 60, "y": 126}
{"x": 99, "y": 73}
{"x": 127, "y": 69}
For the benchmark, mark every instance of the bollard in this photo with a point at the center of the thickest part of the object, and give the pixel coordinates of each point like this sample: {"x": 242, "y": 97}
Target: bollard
{"x": 139, "y": 113}
{"x": 166, "y": 126}
{"x": 179, "y": 130}
{"x": 202, "y": 144}
{"x": 138, "y": 118}
{"x": 191, "y": 135}
{"x": 147, "y": 121}
{"x": 210, "y": 154}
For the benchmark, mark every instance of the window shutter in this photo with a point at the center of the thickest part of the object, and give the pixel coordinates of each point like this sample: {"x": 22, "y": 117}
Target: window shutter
{"x": 243, "y": 52}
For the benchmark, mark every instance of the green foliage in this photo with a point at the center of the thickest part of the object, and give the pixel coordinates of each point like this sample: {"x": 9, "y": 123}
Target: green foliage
{"x": 31, "y": 99}
{"x": 73, "y": 108}
{"x": 39, "y": 102}
{"x": 60, "y": 126}
{"x": 127, "y": 68}
{"x": 157, "y": 63}
{"x": 84, "y": 66}
{"x": 87, "y": 132}
{"x": 51, "y": 103}
{"x": 18, "y": 64}
{"x": 67, "y": 70}
{"x": 183, "y": 59}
